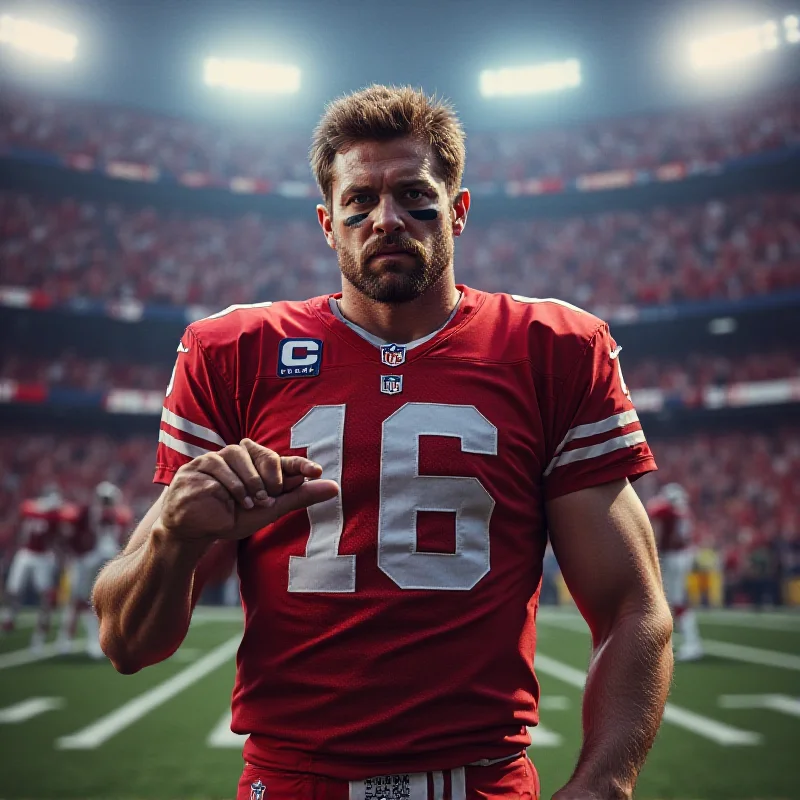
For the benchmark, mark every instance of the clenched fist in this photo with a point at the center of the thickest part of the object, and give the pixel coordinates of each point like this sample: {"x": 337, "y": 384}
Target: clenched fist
{"x": 235, "y": 492}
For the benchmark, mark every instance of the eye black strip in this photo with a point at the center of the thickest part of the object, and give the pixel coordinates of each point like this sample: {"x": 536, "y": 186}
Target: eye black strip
{"x": 355, "y": 220}
{"x": 425, "y": 215}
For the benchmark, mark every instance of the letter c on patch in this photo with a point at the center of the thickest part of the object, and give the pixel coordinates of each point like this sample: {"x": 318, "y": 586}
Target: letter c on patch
{"x": 309, "y": 345}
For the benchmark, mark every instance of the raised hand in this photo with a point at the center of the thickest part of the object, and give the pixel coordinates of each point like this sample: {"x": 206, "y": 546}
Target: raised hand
{"x": 238, "y": 490}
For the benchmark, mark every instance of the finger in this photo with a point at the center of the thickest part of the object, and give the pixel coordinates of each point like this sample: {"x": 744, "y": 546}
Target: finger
{"x": 297, "y": 465}
{"x": 240, "y": 461}
{"x": 268, "y": 464}
{"x": 308, "y": 494}
{"x": 214, "y": 465}
{"x": 291, "y": 483}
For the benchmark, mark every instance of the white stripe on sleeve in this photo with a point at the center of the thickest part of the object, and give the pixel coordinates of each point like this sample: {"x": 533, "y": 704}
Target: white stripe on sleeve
{"x": 191, "y": 450}
{"x": 593, "y": 428}
{"x": 595, "y": 450}
{"x": 191, "y": 427}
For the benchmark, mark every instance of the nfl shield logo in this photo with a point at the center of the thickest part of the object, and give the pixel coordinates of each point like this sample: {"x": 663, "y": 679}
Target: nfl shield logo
{"x": 257, "y": 790}
{"x": 393, "y": 355}
{"x": 391, "y": 384}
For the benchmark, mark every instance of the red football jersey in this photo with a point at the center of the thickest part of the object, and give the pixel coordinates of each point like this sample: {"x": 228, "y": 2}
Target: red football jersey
{"x": 77, "y": 531}
{"x": 39, "y": 526}
{"x": 672, "y": 526}
{"x": 392, "y": 629}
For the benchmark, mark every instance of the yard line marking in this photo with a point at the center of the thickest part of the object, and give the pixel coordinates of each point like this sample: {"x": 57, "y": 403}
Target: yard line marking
{"x": 752, "y": 622}
{"x": 223, "y": 736}
{"x": 777, "y": 620}
{"x": 28, "y": 709}
{"x": 774, "y": 702}
{"x": 571, "y": 622}
{"x": 752, "y": 655}
{"x": 544, "y": 737}
{"x": 719, "y": 732}
{"x": 185, "y": 655}
{"x": 18, "y": 658}
{"x": 735, "y": 652}
{"x": 553, "y": 702}
{"x": 763, "y": 620}
{"x": 205, "y": 614}
{"x": 110, "y": 725}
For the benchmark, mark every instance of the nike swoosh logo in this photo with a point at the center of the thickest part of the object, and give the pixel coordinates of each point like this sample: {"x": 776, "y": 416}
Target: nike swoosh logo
{"x": 181, "y": 348}
{"x": 615, "y": 353}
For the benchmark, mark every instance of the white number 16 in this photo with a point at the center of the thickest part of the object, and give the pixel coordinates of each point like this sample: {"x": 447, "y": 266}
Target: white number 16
{"x": 403, "y": 492}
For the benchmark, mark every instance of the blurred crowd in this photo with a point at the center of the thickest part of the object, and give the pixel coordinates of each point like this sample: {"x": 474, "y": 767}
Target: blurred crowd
{"x": 69, "y": 370}
{"x": 738, "y": 247}
{"x": 745, "y": 501}
{"x": 695, "y": 372}
{"x": 698, "y": 371}
{"x": 177, "y": 146}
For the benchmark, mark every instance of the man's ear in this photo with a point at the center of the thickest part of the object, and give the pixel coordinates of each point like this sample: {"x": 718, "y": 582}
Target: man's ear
{"x": 326, "y": 223}
{"x": 459, "y": 211}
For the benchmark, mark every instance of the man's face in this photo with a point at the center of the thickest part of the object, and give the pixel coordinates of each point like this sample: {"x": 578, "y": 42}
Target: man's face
{"x": 390, "y": 219}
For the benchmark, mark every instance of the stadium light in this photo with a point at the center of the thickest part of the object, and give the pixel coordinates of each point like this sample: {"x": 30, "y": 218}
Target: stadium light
{"x": 37, "y": 39}
{"x": 554, "y": 76}
{"x": 730, "y": 47}
{"x": 791, "y": 29}
{"x": 252, "y": 76}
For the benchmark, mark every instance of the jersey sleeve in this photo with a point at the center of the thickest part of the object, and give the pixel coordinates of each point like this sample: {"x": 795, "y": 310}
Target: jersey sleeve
{"x": 599, "y": 434}
{"x": 199, "y": 412}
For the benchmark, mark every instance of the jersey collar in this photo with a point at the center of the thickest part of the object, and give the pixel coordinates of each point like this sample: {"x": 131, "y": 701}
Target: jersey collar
{"x": 326, "y": 307}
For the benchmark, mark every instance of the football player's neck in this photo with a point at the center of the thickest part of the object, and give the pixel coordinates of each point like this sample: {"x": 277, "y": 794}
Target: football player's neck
{"x": 401, "y": 322}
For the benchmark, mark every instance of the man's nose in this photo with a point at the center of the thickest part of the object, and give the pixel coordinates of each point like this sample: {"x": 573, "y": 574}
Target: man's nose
{"x": 388, "y": 217}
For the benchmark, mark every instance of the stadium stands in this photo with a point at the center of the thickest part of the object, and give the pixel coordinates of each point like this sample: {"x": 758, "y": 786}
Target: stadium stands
{"x": 214, "y": 153}
{"x": 743, "y": 246}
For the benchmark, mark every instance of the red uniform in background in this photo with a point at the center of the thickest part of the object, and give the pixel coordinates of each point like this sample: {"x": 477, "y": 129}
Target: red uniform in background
{"x": 672, "y": 524}
{"x": 34, "y": 562}
{"x": 78, "y": 534}
{"x": 92, "y": 535}
{"x": 392, "y": 629}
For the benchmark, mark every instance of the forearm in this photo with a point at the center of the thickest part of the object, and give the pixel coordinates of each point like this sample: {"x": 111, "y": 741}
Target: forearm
{"x": 143, "y": 600}
{"x": 626, "y": 688}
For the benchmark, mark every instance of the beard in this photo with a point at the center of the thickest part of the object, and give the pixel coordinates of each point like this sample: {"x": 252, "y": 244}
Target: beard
{"x": 397, "y": 280}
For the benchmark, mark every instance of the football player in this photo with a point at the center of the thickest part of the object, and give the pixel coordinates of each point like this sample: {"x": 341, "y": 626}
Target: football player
{"x": 35, "y": 562}
{"x": 672, "y": 524}
{"x": 385, "y": 464}
{"x": 92, "y": 535}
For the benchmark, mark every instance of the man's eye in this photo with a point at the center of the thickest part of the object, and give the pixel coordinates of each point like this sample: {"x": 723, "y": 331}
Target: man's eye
{"x": 414, "y": 194}
{"x": 360, "y": 199}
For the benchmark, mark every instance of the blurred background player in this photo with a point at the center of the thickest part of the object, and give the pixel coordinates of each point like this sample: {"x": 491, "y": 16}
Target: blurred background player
{"x": 34, "y": 562}
{"x": 93, "y": 534}
{"x": 672, "y": 524}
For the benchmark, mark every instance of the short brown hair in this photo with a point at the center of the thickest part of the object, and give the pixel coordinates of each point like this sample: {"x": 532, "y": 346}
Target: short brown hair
{"x": 388, "y": 112}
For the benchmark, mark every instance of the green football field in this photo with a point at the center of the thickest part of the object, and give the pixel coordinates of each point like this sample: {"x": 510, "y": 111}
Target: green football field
{"x": 73, "y": 728}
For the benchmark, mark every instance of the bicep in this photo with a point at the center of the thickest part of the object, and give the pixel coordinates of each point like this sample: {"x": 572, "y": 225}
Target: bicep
{"x": 605, "y": 548}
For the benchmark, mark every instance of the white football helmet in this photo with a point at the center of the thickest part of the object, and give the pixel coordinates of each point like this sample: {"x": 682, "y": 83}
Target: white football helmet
{"x": 107, "y": 493}
{"x": 50, "y": 498}
{"x": 675, "y": 495}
